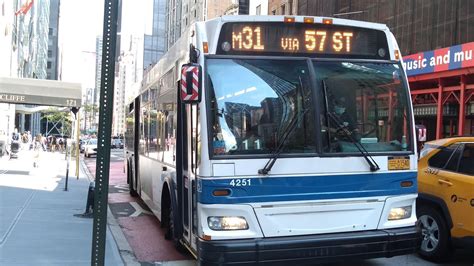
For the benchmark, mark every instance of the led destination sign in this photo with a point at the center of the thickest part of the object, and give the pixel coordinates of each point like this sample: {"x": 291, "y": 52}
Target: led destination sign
{"x": 320, "y": 40}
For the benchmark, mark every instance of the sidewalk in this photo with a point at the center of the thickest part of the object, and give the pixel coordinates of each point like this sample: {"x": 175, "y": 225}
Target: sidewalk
{"x": 37, "y": 222}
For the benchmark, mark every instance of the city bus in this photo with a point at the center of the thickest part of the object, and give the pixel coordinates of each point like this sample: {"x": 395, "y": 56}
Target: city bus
{"x": 278, "y": 139}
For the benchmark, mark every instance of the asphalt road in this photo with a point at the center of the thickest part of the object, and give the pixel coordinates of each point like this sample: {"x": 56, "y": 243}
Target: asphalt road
{"x": 461, "y": 257}
{"x": 116, "y": 155}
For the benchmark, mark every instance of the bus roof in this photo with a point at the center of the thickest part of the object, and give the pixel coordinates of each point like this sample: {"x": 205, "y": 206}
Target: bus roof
{"x": 179, "y": 51}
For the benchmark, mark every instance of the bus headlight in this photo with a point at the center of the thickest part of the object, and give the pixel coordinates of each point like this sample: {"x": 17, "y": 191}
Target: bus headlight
{"x": 399, "y": 213}
{"x": 227, "y": 223}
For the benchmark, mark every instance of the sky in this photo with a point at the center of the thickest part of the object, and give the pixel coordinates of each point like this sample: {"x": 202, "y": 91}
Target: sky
{"x": 80, "y": 23}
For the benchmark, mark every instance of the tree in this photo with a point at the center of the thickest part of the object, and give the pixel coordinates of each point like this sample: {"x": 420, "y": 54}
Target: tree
{"x": 89, "y": 113}
{"x": 59, "y": 117}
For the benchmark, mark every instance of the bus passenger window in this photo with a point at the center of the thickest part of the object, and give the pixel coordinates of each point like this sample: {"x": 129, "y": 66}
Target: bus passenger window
{"x": 143, "y": 131}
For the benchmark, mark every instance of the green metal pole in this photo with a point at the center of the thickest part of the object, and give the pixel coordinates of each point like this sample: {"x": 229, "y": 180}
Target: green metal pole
{"x": 78, "y": 133}
{"x": 105, "y": 125}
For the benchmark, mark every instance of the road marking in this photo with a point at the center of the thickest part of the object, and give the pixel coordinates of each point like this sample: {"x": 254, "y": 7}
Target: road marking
{"x": 138, "y": 210}
{"x": 122, "y": 186}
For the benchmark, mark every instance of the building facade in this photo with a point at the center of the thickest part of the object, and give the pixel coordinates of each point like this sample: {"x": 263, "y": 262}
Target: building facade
{"x": 258, "y": 7}
{"x": 183, "y": 13}
{"x": 30, "y": 48}
{"x": 139, "y": 52}
{"x": 282, "y": 7}
{"x": 127, "y": 83}
{"x": 173, "y": 22}
{"x": 98, "y": 70}
{"x": 52, "y": 63}
{"x": 421, "y": 25}
{"x": 155, "y": 43}
{"x": 8, "y": 57}
{"x": 216, "y": 8}
{"x": 442, "y": 90}
{"x": 437, "y": 36}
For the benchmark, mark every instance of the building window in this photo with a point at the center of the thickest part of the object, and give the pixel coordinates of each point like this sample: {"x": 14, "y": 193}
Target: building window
{"x": 258, "y": 10}
{"x": 283, "y": 10}
{"x": 50, "y": 53}
{"x": 49, "y": 65}
{"x": 290, "y": 7}
{"x": 50, "y": 32}
{"x": 195, "y": 12}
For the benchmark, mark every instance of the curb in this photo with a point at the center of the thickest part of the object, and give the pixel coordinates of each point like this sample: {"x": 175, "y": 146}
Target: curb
{"x": 125, "y": 251}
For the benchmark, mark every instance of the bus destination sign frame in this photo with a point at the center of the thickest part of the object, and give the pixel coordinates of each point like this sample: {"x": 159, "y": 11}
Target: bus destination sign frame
{"x": 301, "y": 39}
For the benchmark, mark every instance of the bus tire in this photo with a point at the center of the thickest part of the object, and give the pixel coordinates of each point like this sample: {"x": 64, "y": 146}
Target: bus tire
{"x": 170, "y": 224}
{"x": 167, "y": 217}
{"x": 131, "y": 188}
{"x": 436, "y": 238}
{"x": 170, "y": 235}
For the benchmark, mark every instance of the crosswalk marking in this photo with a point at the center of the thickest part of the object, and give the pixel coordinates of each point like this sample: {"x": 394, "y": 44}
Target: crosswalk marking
{"x": 138, "y": 210}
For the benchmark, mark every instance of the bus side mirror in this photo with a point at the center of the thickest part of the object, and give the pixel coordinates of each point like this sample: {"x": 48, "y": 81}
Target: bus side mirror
{"x": 191, "y": 83}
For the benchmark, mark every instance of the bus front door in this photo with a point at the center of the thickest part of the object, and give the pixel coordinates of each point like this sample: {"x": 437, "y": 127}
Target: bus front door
{"x": 189, "y": 156}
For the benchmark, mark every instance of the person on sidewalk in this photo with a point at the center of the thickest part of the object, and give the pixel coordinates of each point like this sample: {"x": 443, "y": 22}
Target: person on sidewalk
{"x": 53, "y": 144}
{"x": 38, "y": 148}
{"x": 3, "y": 143}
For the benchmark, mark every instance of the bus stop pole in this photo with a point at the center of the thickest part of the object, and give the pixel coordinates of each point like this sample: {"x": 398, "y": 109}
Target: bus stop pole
{"x": 101, "y": 190}
{"x": 67, "y": 165}
{"x": 78, "y": 133}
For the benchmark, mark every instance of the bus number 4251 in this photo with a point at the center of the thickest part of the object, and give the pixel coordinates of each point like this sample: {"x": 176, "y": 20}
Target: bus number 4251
{"x": 240, "y": 182}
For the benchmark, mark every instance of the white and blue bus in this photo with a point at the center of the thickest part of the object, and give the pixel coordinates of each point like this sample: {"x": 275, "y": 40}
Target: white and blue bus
{"x": 272, "y": 139}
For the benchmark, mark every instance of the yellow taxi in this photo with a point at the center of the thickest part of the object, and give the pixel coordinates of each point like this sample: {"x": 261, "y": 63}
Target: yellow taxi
{"x": 445, "y": 205}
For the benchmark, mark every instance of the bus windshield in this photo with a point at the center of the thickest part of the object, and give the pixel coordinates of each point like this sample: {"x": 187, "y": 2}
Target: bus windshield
{"x": 367, "y": 101}
{"x": 253, "y": 102}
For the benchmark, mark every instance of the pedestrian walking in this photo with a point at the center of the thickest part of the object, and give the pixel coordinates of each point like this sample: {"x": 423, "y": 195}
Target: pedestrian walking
{"x": 53, "y": 144}
{"x": 3, "y": 143}
{"x": 38, "y": 148}
{"x": 61, "y": 144}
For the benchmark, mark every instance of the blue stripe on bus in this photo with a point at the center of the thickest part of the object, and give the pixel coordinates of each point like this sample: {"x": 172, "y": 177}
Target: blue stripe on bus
{"x": 298, "y": 188}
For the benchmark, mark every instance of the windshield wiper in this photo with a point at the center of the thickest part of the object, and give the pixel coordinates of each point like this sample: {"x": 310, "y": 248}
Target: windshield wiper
{"x": 276, "y": 153}
{"x": 372, "y": 163}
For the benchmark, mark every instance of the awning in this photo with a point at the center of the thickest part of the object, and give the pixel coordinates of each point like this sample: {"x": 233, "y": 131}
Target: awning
{"x": 40, "y": 92}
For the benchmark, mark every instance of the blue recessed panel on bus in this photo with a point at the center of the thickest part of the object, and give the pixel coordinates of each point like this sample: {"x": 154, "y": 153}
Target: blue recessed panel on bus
{"x": 298, "y": 188}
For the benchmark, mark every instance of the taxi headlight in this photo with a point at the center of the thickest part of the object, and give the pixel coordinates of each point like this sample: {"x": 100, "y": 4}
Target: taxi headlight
{"x": 399, "y": 213}
{"x": 227, "y": 223}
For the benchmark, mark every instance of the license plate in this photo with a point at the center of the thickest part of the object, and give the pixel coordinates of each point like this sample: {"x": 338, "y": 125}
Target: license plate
{"x": 398, "y": 163}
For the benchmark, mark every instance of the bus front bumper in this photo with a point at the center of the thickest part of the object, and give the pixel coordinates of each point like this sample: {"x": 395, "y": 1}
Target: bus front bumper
{"x": 310, "y": 248}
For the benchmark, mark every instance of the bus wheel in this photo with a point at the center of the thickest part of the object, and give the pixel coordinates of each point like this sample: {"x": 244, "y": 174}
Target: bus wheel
{"x": 435, "y": 242}
{"x": 170, "y": 232}
{"x": 170, "y": 224}
{"x": 131, "y": 189}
